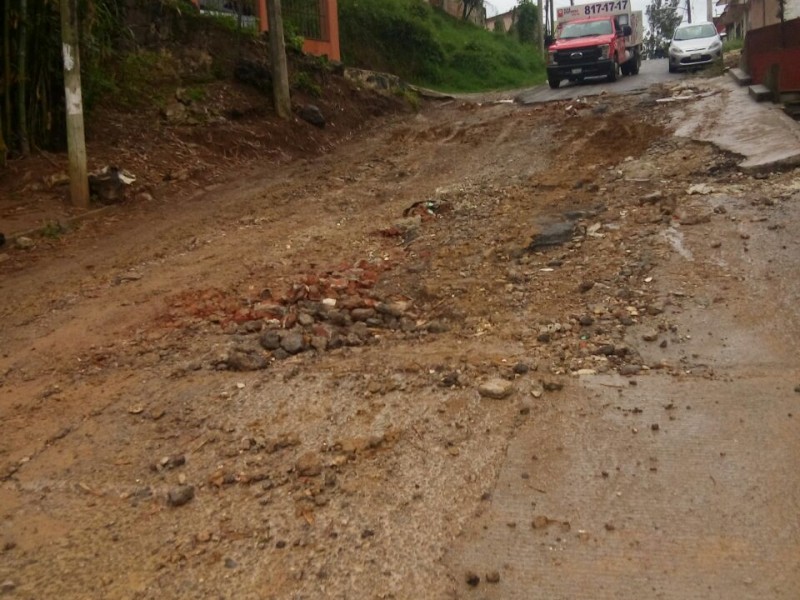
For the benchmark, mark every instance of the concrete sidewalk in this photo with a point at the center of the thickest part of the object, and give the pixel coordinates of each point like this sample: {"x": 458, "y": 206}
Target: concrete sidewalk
{"x": 760, "y": 132}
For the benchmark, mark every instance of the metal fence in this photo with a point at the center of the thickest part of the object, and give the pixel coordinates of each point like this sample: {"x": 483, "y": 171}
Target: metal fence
{"x": 306, "y": 17}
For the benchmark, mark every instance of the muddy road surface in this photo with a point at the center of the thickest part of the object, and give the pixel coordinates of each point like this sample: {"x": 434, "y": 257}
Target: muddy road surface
{"x": 485, "y": 351}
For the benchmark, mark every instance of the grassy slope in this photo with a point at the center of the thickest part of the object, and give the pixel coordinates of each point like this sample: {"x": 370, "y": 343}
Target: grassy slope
{"x": 428, "y": 47}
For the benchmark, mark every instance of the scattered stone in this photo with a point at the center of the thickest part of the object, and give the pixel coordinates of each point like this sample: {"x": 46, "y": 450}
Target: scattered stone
{"x": 293, "y": 342}
{"x": 312, "y": 114}
{"x": 552, "y": 234}
{"x": 585, "y": 286}
{"x": 651, "y": 198}
{"x": 493, "y": 577}
{"x": 650, "y": 335}
{"x": 24, "y": 242}
{"x": 7, "y": 586}
{"x": 497, "y": 389}
{"x": 702, "y": 189}
{"x": 180, "y": 495}
{"x": 629, "y": 370}
{"x": 308, "y": 465}
{"x": 450, "y": 379}
{"x": 797, "y": 389}
{"x": 172, "y": 462}
{"x": 609, "y": 526}
{"x": 437, "y": 327}
{"x": 543, "y": 338}
{"x": 230, "y": 563}
{"x": 605, "y": 350}
{"x": 655, "y": 427}
{"x": 586, "y": 321}
{"x": 245, "y": 359}
{"x": 552, "y": 386}
{"x": 521, "y": 368}
{"x": 270, "y": 340}
{"x": 472, "y": 578}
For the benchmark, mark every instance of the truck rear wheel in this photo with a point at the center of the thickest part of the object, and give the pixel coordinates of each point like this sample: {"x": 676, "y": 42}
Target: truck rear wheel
{"x": 636, "y": 62}
{"x": 613, "y": 71}
{"x": 554, "y": 82}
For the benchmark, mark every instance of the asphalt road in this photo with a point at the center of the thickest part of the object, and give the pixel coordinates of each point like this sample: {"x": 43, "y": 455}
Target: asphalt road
{"x": 652, "y": 71}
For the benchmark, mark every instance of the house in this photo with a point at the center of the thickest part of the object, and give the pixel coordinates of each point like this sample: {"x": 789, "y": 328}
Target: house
{"x": 507, "y": 19}
{"x": 317, "y": 22}
{"x": 456, "y": 9}
{"x": 771, "y": 53}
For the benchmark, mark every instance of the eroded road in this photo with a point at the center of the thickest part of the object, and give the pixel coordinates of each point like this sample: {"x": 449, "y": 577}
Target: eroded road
{"x": 473, "y": 353}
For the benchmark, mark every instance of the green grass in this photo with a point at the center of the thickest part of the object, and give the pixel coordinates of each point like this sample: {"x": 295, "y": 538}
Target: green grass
{"x": 732, "y": 44}
{"x": 430, "y": 48}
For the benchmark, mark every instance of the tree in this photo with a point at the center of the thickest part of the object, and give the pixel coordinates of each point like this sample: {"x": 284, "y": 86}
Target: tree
{"x": 277, "y": 51}
{"x": 527, "y": 22}
{"x": 663, "y": 17}
{"x": 470, "y": 6}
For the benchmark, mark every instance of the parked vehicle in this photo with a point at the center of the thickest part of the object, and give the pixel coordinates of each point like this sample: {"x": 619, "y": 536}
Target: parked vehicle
{"x": 694, "y": 45}
{"x": 597, "y": 39}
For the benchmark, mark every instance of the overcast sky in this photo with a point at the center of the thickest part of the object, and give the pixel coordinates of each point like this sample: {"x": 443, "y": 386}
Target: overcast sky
{"x": 494, "y": 7}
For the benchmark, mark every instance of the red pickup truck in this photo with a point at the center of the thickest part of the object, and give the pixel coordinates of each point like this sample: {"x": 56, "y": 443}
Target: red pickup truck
{"x": 586, "y": 48}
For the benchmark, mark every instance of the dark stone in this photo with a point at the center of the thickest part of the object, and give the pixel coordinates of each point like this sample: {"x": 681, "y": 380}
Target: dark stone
{"x": 585, "y": 286}
{"x": 605, "y": 350}
{"x": 270, "y": 340}
{"x": 241, "y": 359}
{"x": 293, "y": 342}
{"x": 362, "y": 314}
{"x": 313, "y": 115}
{"x": 586, "y": 320}
{"x": 473, "y": 579}
{"x": 178, "y": 496}
{"x": 543, "y": 337}
{"x": 450, "y": 379}
{"x": 437, "y": 327}
{"x": 108, "y": 185}
{"x": 521, "y": 368}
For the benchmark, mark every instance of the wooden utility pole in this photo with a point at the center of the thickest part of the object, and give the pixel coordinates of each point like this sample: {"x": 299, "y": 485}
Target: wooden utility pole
{"x": 540, "y": 27}
{"x": 76, "y": 141}
{"x": 277, "y": 50}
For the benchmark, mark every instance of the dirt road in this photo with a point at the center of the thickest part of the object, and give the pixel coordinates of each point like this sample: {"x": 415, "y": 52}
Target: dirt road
{"x": 472, "y": 353}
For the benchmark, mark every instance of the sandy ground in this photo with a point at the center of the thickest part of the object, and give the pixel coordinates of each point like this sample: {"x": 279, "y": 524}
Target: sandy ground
{"x": 371, "y": 375}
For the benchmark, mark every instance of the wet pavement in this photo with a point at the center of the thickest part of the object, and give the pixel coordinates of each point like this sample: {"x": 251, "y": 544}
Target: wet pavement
{"x": 671, "y": 486}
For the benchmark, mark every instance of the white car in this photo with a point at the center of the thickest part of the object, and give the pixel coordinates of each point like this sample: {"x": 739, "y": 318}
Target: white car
{"x": 694, "y": 45}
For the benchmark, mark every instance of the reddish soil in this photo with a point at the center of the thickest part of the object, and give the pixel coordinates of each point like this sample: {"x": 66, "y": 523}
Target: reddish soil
{"x": 264, "y": 379}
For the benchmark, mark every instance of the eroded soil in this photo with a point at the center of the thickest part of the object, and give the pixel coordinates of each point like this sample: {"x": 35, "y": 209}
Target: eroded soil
{"x": 304, "y": 347}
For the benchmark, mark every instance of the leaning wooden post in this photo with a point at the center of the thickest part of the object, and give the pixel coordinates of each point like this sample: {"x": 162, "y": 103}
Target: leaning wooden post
{"x": 277, "y": 50}
{"x": 76, "y": 142}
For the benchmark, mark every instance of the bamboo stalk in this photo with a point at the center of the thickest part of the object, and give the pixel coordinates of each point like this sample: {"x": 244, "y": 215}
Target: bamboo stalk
{"x": 22, "y": 74}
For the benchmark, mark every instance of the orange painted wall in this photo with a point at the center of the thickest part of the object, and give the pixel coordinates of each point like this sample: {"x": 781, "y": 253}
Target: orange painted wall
{"x": 330, "y": 30}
